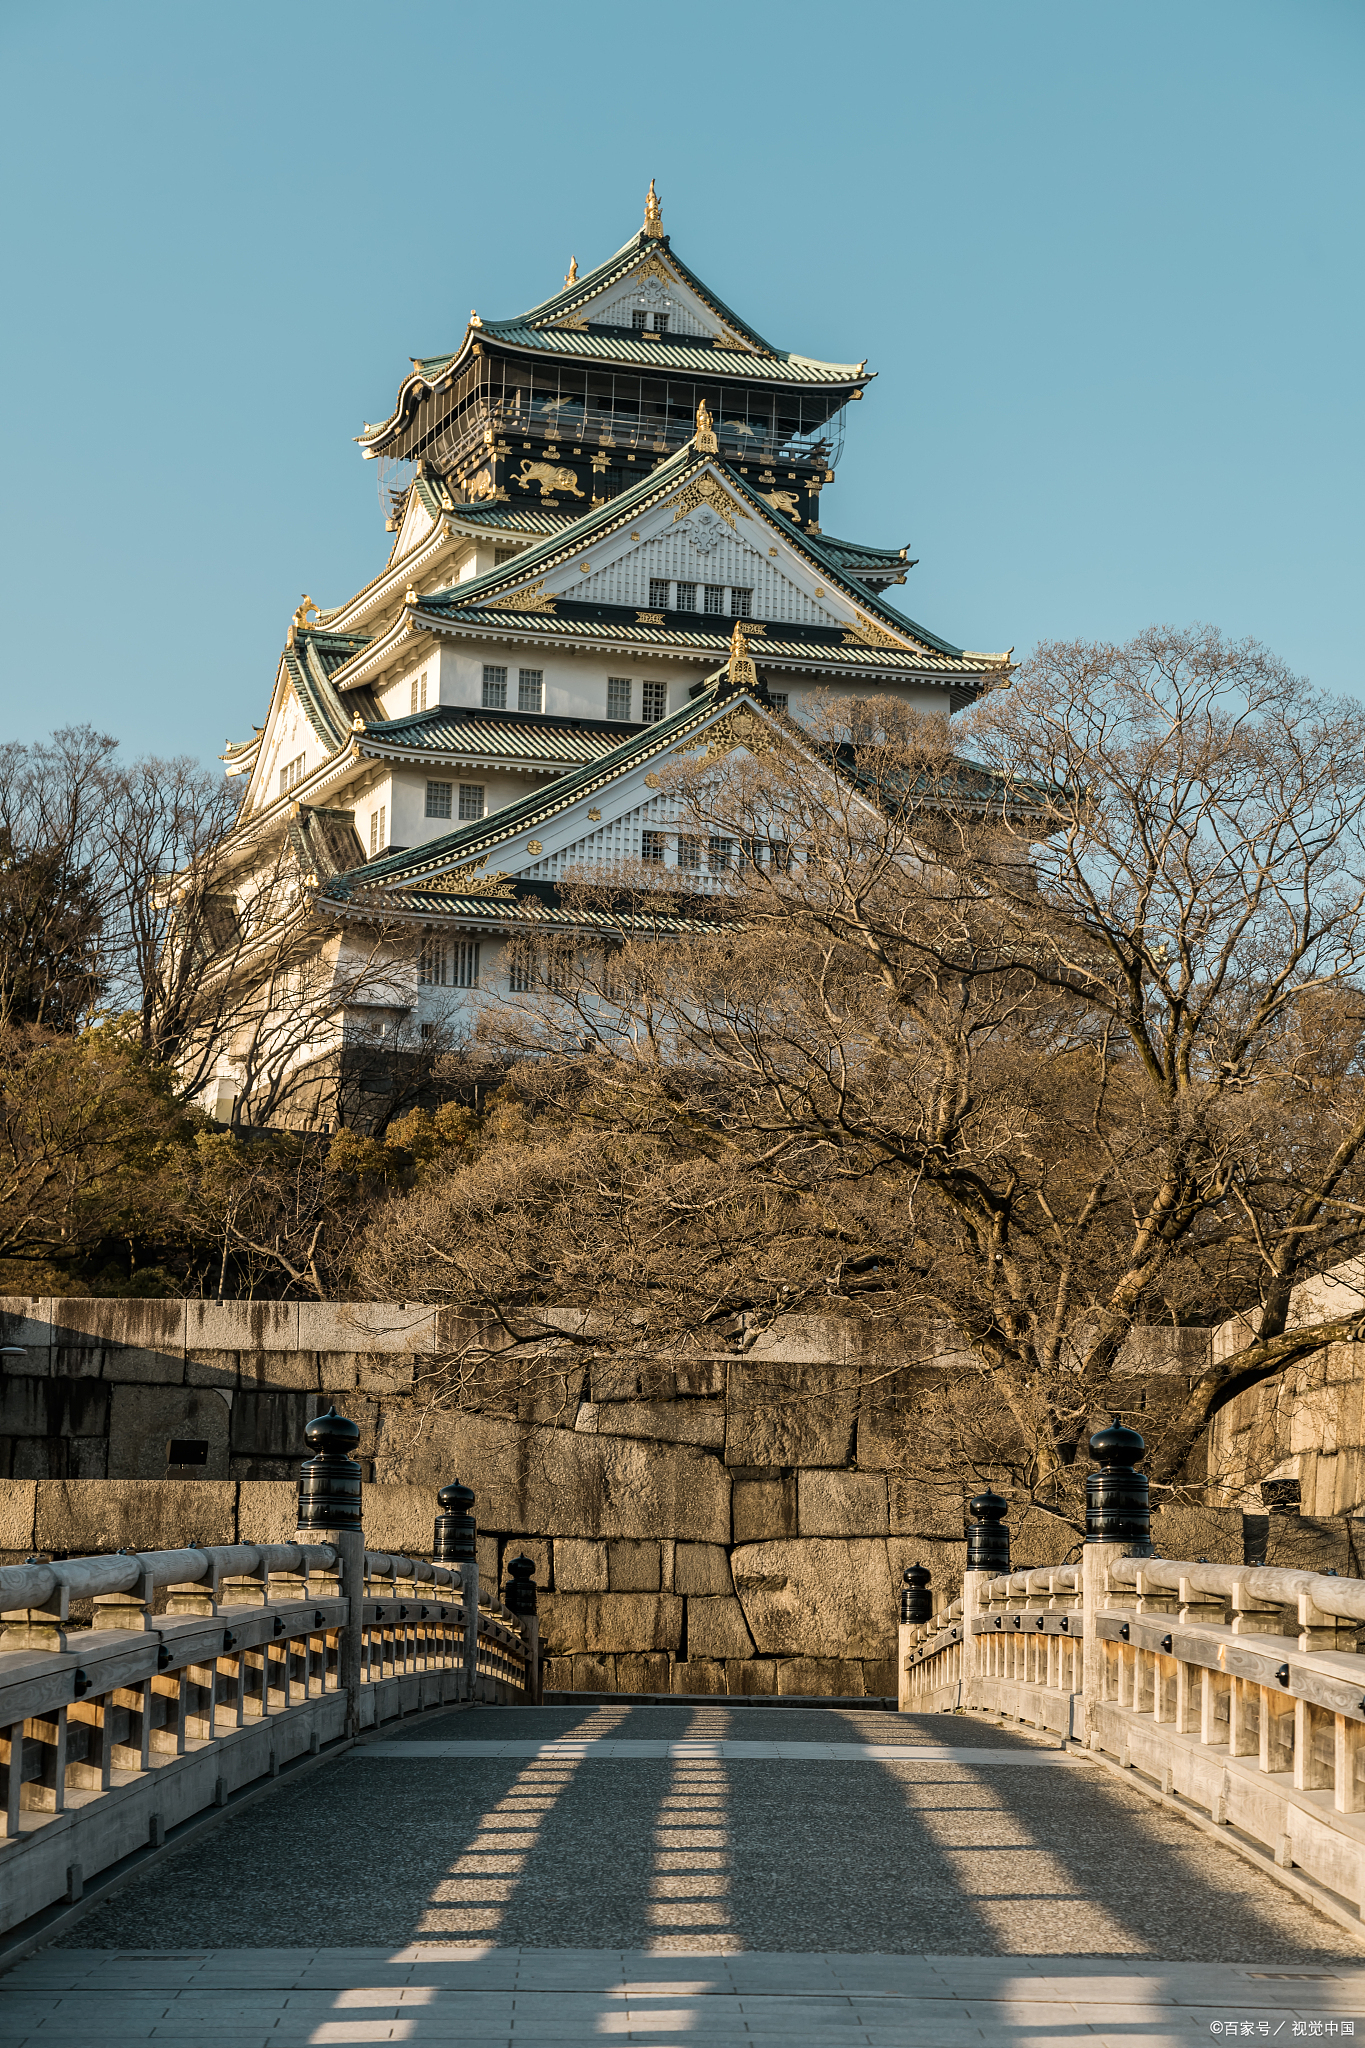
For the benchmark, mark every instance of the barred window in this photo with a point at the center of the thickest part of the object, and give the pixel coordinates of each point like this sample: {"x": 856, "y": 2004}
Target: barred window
{"x": 689, "y": 853}
{"x": 448, "y": 963}
{"x": 653, "y": 701}
{"x": 658, "y": 593}
{"x": 438, "y": 799}
{"x": 637, "y": 321}
{"x": 618, "y": 696}
{"x": 780, "y": 856}
{"x": 778, "y": 699}
{"x": 521, "y": 974}
{"x": 687, "y": 597}
{"x": 718, "y": 854}
{"x": 379, "y": 838}
{"x": 715, "y": 597}
{"x": 751, "y": 853}
{"x": 494, "y": 687}
{"x": 652, "y": 846}
{"x": 501, "y": 555}
{"x": 419, "y": 692}
{"x": 291, "y": 776}
{"x": 741, "y": 602}
{"x": 471, "y": 799}
{"x": 530, "y": 689}
{"x": 530, "y": 968}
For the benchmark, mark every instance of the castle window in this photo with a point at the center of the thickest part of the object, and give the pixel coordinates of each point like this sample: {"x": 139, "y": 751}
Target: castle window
{"x": 438, "y": 799}
{"x": 653, "y": 701}
{"x": 494, "y": 687}
{"x": 471, "y": 800}
{"x": 501, "y": 555}
{"x": 715, "y": 597}
{"x": 751, "y": 853}
{"x": 652, "y": 846}
{"x": 645, "y": 323}
{"x": 379, "y": 838}
{"x": 778, "y": 699}
{"x": 779, "y": 856}
{"x": 530, "y": 689}
{"x": 689, "y": 853}
{"x": 741, "y": 603}
{"x": 618, "y": 696}
{"x": 419, "y": 692}
{"x": 718, "y": 855}
{"x": 448, "y": 963}
{"x": 687, "y": 597}
{"x": 658, "y": 593}
{"x": 291, "y": 776}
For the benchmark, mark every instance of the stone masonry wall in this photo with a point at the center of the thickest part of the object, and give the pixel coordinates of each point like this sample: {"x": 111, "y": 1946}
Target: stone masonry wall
{"x": 734, "y": 1525}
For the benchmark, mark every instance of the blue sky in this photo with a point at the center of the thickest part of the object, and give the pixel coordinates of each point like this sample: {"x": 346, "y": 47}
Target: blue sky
{"x": 1106, "y": 259}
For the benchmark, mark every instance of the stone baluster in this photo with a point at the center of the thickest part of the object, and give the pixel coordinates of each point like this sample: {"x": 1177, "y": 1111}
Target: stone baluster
{"x": 1118, "y": 1523}
{"x": 519, "y": 1598}
{"x": 330, "y": 1509}
{"x": 454, "y": 1542}
{"x": 917, "y": 1607}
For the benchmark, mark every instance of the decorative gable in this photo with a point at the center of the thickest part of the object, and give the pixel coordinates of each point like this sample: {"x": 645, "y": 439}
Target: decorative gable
{"x": 413, "y": 528}
{"x": 655, "y": 288}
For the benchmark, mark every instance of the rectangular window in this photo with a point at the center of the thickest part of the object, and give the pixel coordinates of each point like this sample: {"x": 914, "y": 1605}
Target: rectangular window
{"x": 419, "y": 692}
{"x": 428, "y": 1031}
{"x": 465, "y": 963}
{"x": 653, "y": 701}
{"x": 501, "y": 555}
{"x": 715, "y": 597}
{"x": 718, "y": 854}
{"x": 689, "y": 854}
{"x": 432, "y": 963}
{"x": 778, "y": 700}
{"x": 378, "y": 836}
{"x": 438, "y": 799}
{"x": 494, "y": 687}
{"x": 530, "y": 689}
{"x": 658, "y": 593}
{"x": 618, "y": 696}
{"x": 448, "y": 963}
{"x": 687, "y": 598}
{"x": 661, "y": 321}
{"x": 637, "y": 321}
{"x": 652, "y": 846}
{"x": 779, "y": 856}
{"x": 521, "y": 974}
{"x": 291, "y": 776}
{"x": 751, "y": 853}
{"x": 741, "y": 603}
{"x": 471, "y": 800}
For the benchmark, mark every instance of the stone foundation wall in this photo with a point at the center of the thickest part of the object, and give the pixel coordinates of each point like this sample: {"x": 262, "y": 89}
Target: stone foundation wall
{"x": 737, "y": 1524}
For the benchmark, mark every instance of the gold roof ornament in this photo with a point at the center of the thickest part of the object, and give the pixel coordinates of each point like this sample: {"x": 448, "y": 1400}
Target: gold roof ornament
{"x": 743, "y": 675}
{"x": 654, "y": 220}
{"x": 571, "y": 276}
{"x": 704, "y": 440}
{"x": 474, "y": 319}
{"x": 301, "y": 617}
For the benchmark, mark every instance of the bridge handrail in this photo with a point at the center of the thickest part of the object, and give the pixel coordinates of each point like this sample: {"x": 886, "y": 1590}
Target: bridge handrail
{"x": 86, "y": 1578}
{"x": 1269, "y": 1585}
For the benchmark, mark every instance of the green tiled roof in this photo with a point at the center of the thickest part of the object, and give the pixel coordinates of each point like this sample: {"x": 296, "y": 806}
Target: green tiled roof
{"x": 498, "y": 736}
{"x": 594, "y": 282}
{"x": 311, "y": 663}
{"x": 767, "y": 651}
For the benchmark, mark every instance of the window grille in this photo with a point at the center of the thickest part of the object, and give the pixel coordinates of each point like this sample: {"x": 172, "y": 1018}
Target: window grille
{"x": 419, "y": 692}
{"x": 778, "y": 699}
{"x": 378, "y": 836}
{"x": 640, "y": 321}
{"x": 431, "y": 965}
{"x": 465, "y": 963}
{"x": 471, "y": 799}
{"x": 741, "y": 602}
{"x": 661, "y": 321}
{"x": 501, "y": 555}
{"x": 531, "y": 969}
{"x": 780, "y": 856}
{"x": 637, "y": 321}
{"x": 494, "y": 687}
{"x": 428, "y": 1031}
{"x": 653, "y": 701}
{"x": 687, "y": 598}
{"x": 689, "y": 853}
{"x": 751, "y": 853}
{"x": 652, "y": 846}
{"x": 438, "y": 799}
{"x": 718, "y": 855}
{"x": 618, "y": 696}
{"x": 715, "y": 597}
{"x": 530, "y": 689}
{"x": 291, "y": 776}
{"x": 521, "y": 974}
{"x": 448, "y": 963}
{"x": 658, "y": 593}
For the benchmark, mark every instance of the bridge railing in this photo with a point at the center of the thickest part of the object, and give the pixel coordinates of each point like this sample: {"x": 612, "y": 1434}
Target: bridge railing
{"x": 1235, "y": 1690}
{"x": 140, "y": 1690}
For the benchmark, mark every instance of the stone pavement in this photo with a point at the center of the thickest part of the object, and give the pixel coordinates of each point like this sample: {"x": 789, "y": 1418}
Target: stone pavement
{"x": 717, "y": 1873}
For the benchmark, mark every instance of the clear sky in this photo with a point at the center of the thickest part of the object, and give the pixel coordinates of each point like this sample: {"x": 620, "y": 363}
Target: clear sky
{"x": 1107, "y": 260}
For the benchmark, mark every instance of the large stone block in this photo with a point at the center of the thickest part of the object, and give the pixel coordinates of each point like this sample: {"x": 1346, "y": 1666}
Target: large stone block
{"x": 580, "y": 1565}
{"x": 643, "y": 1674}
{"x": 716, "y": 1628}
{"x": 87, "y": 1457}
{"x": 86, "y": 1515}
{"x": 816, "y": 1597}
{"x": 26, "y": 1321}
{"x": 242, "y": 1326}
{"x": 53, "y": 1407}
{"x": 269, "y": 1424}
{"x": 780, "y": 1414}
{"x": 365, "y": 1326}
{"x": 764, "y": 1509}
{"x": 385, "y": 1373}
{"x": 18, "y": 1504}
{"x": 944, "y": 1560}
{"x": 924, "y": 1507}
{"x": 841, "y": 1503}
{"x": 820, "y": 1678}
{"x": 879, "y": 1678}
{"x": 85, "y": 1321}
{"x": 699, "y": 1674}
{"x": 267, "y": 1511}
{"x": 592, "y": 1674}
{"x": 633, "y": 1567}
{"x": 807, "y": 1340}
{"x": 1196, "y": 1531}
{"x": 701, "y": 1568}
{"x": 262, "y": 1370}
{"x": 143, "y": 1420}
{"x": 754, "y": 1675}
{"x": 669, "y": 1422}
{"x": 401, "y": 1519}
{"x": 557, "y": 1482}
{"x": 211, "y": 1369}
{"x": 603, "y": 1622}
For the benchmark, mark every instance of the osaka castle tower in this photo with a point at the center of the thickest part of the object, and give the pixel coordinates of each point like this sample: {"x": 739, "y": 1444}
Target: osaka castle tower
{"x": 585, "y": 501}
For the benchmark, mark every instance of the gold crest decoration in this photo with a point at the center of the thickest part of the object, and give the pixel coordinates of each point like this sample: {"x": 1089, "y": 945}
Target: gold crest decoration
{"x": 704, "y": 440}
{"x": 654, "y": 220}
{"x": 532, "y": 599}
{"x": 705, "y": 490}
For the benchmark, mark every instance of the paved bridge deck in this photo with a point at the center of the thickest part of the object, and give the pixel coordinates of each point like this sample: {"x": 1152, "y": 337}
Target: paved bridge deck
{"x": 719, "y": 1873}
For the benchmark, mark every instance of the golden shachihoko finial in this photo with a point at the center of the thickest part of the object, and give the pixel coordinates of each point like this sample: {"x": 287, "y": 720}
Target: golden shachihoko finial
{"x": 704, "y": 440}
{"x": 743, "y": 674}
{"x": 572, "y": 274}
{"x": 654, "y": 220}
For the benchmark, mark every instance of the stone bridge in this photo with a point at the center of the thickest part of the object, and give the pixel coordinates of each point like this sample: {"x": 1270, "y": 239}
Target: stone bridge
{"x": 309, "y": 1792}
